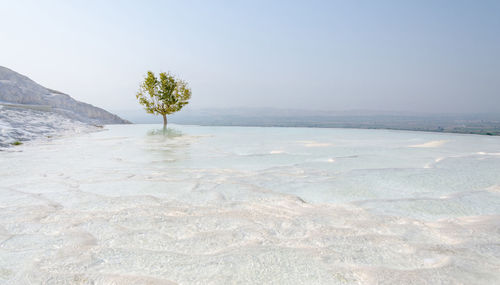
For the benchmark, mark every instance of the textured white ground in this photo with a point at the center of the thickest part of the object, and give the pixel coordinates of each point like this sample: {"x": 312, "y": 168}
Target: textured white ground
{"x": 24, "y": 124}
{"x": 228, "y": 205}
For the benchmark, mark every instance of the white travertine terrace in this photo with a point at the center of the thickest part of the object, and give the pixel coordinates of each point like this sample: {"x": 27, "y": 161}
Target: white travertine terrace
{"x": 219, "y": 205}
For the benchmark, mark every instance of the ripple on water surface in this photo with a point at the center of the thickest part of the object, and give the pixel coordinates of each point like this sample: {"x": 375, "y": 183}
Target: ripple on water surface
{"x": 251, "y": 206}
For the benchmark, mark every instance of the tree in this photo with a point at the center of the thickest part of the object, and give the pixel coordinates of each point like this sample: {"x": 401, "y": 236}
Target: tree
{"x": 163, "y": 96}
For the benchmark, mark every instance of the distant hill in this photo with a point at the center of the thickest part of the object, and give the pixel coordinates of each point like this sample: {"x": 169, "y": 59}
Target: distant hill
{"x": 17, "y": 89}
{"x": 486, "y": 124}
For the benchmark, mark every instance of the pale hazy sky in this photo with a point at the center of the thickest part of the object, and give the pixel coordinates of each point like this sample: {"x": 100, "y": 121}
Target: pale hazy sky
{"x": 329, "y": 55}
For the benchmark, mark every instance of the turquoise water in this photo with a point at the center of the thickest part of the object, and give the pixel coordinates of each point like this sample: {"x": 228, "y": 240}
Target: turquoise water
{"x": 244, "y": 205}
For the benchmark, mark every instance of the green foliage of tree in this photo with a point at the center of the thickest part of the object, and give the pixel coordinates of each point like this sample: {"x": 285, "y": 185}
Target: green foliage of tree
{"x": 164, "y": 95}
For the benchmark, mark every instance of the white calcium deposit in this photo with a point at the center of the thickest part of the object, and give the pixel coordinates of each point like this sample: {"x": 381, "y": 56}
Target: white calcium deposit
{"x": 22, "y": 125}
{"x": 230, "y": 205}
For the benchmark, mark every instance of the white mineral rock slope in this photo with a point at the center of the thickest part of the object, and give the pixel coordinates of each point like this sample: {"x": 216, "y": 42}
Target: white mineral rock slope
{"x": 29, "y": 110}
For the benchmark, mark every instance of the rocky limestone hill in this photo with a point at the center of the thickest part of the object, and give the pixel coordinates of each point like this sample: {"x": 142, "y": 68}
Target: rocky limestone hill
{"x": 17, "y": 89}
{"x": 29, "y": 111}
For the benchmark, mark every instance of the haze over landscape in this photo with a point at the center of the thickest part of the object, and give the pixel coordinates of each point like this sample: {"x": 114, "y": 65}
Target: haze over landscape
{"x": 322, "y": 142}
{"x": 420, "y": 56}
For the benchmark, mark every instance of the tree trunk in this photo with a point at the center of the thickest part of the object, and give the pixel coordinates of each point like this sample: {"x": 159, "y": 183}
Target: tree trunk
{"x": 164, "y": 121}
